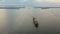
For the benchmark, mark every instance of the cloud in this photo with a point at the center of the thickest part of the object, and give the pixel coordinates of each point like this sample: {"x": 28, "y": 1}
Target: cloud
{"x": 50, "y": 1}
{"x": 23, "y": 0}
{"x": 2, "y": 0}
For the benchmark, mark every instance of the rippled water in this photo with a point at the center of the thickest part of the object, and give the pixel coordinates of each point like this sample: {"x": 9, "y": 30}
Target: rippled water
{"x": 19, "y": 21}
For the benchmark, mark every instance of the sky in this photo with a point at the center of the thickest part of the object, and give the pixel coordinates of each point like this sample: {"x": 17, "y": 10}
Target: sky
{"x": 30, "y": 3}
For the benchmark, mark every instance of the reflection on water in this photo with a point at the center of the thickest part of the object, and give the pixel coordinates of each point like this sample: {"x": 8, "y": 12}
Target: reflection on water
{"x": 2, "y": 20}
{"x": 19, "y": 21}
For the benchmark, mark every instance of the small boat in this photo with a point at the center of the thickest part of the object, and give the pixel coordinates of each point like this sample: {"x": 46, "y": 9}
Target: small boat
{"x": 35, "y": 21}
